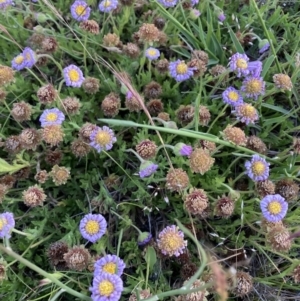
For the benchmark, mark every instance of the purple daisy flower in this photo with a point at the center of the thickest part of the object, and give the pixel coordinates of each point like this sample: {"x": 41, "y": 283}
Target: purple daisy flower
{"x": 232, "y": 97}
{"x": 171, "y": 241}
{"x": 109, "y": 264}
{"x": 168, "y": 3}
{"x": 144, "y": 238}
{"x": 195, "y": 13}
{"x": 181, "y": 149}
{"x": 80, "y": 10}
{"x": 221, "y": 17}
{"x": 257, "y": 168}
{"x": 5, "y": 3}
{"x": 194, "y": 2}
{"x": 92, "y": 227}
{"x": 180, "y": 70}
{"x": 106, "y": 287}
{"x": 246, "y": 113}
{"x": 147, "y": 168}
{"x": 255, "y": 68}
{"x": 19, "y": 62}
{"x": 239, "y": 63}
{"x": 73, "y": 76}
{"x": 152, "y": 53}
{"x": 102, "y": 138}
{"x": 30, "y": 57}
{"x": 274, "y": 207}
{"x": 263, "y": 46}
{"x": 108, "y": 5}
{"x": 52, "y": 117}
{"x": 253, "y": 87}
{"x": 7, "y": 223}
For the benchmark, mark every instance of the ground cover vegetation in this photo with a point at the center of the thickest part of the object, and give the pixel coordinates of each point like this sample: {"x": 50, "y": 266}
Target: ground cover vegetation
{"x": 149, "y": 150}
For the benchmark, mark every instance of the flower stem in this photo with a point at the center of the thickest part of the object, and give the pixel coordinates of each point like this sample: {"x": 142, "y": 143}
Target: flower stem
{"x": 122, "y": 218}
{"x": 137, "y": 155}
{"x": 58, "y": 65}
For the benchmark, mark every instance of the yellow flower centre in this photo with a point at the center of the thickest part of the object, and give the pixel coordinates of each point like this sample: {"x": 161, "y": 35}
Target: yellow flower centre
{"x": 152, "y": 52}
{"x": 258, "y": 168}
{"x": 248, "y": 110}
{"x": 106, "y": 288}
{"x": 275, "y": 207}
{"x": 171, "y": 242}
{"x": 242, "y": 64}
{"x": 254, "y": 86}
{"x": 233, "y": 96}
{"x": 51, "y": 117}
{"x": 80, "y": 10}
{"x": 107, "y": 3}
{"x": 19, "y": 59}
{"x": 102, "y": 138}
{"x": 181, "y": 68}
{"x": 92, "y": 227}
{"x": 3, "y": 222}
{"x": 74, "y": 75}
{"x": 110, "y": 268}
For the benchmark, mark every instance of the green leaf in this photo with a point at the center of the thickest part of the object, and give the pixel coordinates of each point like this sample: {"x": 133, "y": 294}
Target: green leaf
{"x": 267, "y": 64}
{"x": 235, "y": 41}
{"x": 150, "y": 257}
{"x": 11, "y": 168}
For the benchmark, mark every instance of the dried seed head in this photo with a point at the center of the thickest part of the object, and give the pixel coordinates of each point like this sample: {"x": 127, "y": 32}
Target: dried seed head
{"x": 36, "y": 40}
{"x": 34, "y": 196}
{"x": 21, "y": 111}
{"x": 41, "y": 176}
{"x": 71, "y": 105}
{"x": 30, "y": 138}
{"x": 200, "y": 55}
{"x": 188, "y": 270}
{"x": 112, "y": 181}
{"x": 111, "y": 40}
{"x": 264, "y": 188}
{"x": 2, "y": 270}
{"x": 177, "y": 179}
{"x": 23, "y": 173}
{"x": 153, "y": 90}
{"x": 6, "y": 75}
{"x": 288, "y": 189}
{"x": 77, "y": 258}
{"x": 164, "y": 116}
{"x": 296, "y": 145}
{"x": 224, "y": 207}
{"x": 162, "y": 38}
{"x": 279, "y": 239}
{"x": 49, "y": 44}
{"x": 155, "y": 106}
{"x": 201, "y": 161}
{"x": 198, "y": 295}
{"x": 52, "y": 134}
{"x": 235, "y": 135}
{"x": 111, "y": 105}
{"x": 47, "y": 94}
{"x": 196, "y": 201}
{"x": 244, "y": 284}
{"x": 296, "y": 274}
{"x": 42, "y": 60}
{"x": 91, "y": 85}
{"x": 59, "y": 175}
{"x": 185, "y": 114}
{"x": 53, "y": 157}
{"x": 159, "y": 22}
{"x": 217, "y": 70}
{"x": 256, "y": 144}
{"x": 283, "y": 81}
{"x": 204, "y": 115}
{"x": 198, "y": 66}
{"x": 132, "y": 50}
{"x": 268, "y": 226}
{"x": 148, "y": 33}
{"x": 132, "y": 104}
{"x": 3, "y": 95}
{"x": 3, "y": 191}
{"x": 146, "y": 149}
{"x": 8, "y": 181}
{"x": 13, "y": 144}
{"x": 86, "y": 131}
{"x": 56, "y": 252}
{"x": 90, "y": 26}
{"x": 162, "y": 66}
{"x": 208, "y": 145}
{"x": 143, "y": 294}
{"x": 80, "y": 148}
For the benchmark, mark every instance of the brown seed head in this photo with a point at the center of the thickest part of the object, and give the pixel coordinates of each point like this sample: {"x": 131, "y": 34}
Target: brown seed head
{"x": 217, "y": 70}
{"x": 41, "y": 176}
{"x": 188, "y": 270}
{"x": 71, "y": 105}
{"x": 30, "y": 138}
{"x": 264, "y": 188}
{"x": 244, "y": 284}
{"x": 53, "y": 157}
{"x": 162, "y": 38}
{"x": 164, "y": 116}
{"x": 279, "y": 239}
{"x": 198, "y": 295}
{"x": 56, "y": 252}
{"x": 155, "y": 106}
{"x": 256, "y": 144}
{"x": 296, "y": 274}
{"x": 52, "y": 134}
{"x": 133, "y": 104}
{"x": 196, "y": 201}
{"x": 3, "y": 95}
{"x": 86, "y": 131}
{"x": 198, "y": 66}
{"x": 201, "y": 161}
{"x": 23, "y": 173}
{"x": 43, "y": 60}
{"x": 235, "y": 135}
{"x": 3, "y": 191}
{"x": 2, "y": 270}
{"x": 177, "y": 179}
{"x": 80, "y": 148}
{"x": 49, "y": 44}
{"x": 91, "y": 85}
{"x": 6, "y": 75}
{"x": 13, "y": 144}
{"x": 8, "y": 181}
{"x": 143, "y": 294}
{"x": 132, "y": 50}
{"x": 283, "y": 81}
{"x": 224, "y": 207}
{"x": 21, "y": 111}
{"x": 162, "y": 66}
{"x": 148, "y": 33}
{"x": 159, "y": 22}
{"x": 47, "y": 94}
{"x": 90, "y": 26}
{"x": 208, "y": 145}
{"x": 77, "y": 258}
{"x": 36, "y": 40}
{"x": 200, "y": 55}
{"x": 111, "y": 105}
{"x": 111, "y": 40}
{"x": 59, "y": 175}
{"x": 153, "y": 90}
{"x": 288, "y": 189}
{"x": 268, "y": 226}
{"x": 112, "y": 181}
{"x": 146, "y": 149}
{"x": 204, "y": 115}
{"x": 34, "y": 196}
{"x": 185, "y": 114}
